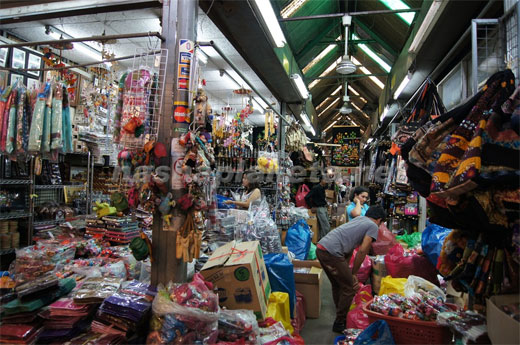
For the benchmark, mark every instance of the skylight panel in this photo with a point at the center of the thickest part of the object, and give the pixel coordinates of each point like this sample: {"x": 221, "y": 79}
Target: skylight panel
{"x": 353, "y": 91}
{"x": 366, "y": 71}
{"x": 320, "y": 56}
{"x": 327, "y": 71}
{"x": 373, "y": 55}
{"x": 290, "y": 9}
{"x": 328, "y": 107}
{"x": 400, "y": 5}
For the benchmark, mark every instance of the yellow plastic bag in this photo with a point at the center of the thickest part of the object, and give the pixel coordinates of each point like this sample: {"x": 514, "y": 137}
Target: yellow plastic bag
{"x": 392, "y": 285}
{"x": 279, "y": 308}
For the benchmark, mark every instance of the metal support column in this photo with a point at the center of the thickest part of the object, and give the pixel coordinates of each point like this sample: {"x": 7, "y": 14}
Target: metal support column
{"x": 178, "y": 22}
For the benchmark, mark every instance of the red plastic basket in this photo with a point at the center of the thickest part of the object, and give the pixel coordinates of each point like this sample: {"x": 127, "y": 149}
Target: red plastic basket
{"x": 410, "y": 331}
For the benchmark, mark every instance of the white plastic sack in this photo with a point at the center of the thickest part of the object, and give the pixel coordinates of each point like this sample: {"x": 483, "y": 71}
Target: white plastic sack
{"x": 414, "y": 283}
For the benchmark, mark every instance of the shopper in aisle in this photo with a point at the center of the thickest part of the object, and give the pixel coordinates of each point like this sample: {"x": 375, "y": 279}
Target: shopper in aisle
{"x": 334, "y": 252}
{"x": 317, "y": 201}
{"x": 251, "y": 193}
{"x": 358, "y": 203}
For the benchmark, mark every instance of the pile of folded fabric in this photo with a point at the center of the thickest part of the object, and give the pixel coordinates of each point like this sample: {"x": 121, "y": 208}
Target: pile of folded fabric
{"x": 95, "y": 227}
{"x": 125, "y": 312}
{"x": 64, "y": 320}
{"x": 120, "y": 230}
{"x": 20, "y": 321}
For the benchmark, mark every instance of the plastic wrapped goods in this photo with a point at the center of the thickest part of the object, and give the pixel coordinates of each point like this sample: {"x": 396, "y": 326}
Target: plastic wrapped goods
{"x": 184, "y": 314}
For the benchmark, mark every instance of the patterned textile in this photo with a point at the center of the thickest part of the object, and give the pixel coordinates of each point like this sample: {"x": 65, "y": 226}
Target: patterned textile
{"x": 454, "y": 160}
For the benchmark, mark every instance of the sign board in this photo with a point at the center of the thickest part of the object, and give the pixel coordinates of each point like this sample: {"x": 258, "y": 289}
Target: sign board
{"x": 349, "y": 139}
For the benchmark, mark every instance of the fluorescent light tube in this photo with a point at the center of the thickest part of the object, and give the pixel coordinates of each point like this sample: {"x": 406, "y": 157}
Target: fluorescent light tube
{"x": 427, "y": 24}
{"x": 300, "y": 85}
{"x": 370, "y": 140}
{"x": 202, "y": 56}
{"x": 387, "y": 108}
{"x": 261, "y": 102}
{"x": 258, "y": 104}
{"x": 312, "y": 131}
{"x": 271, "y": 21}
{"x": 305, "y": 118}
{"x": 353, "y": 91}
{"x": 401, "y": 87}
{"x": 81, "y": 47}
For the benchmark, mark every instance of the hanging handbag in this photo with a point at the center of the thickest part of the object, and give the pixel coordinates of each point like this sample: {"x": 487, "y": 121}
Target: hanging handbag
{"x": 303, "y": 190}
{"x": 451, "y": 158}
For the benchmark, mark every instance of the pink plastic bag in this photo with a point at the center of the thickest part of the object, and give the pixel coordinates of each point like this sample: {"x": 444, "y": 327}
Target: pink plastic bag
{"x": 300, "y": 196}
{"x": 356, "y": 317}
{"x": 400, "y": 266}
{"x": 366, "y": 267}
{"x": 385, "y": 241}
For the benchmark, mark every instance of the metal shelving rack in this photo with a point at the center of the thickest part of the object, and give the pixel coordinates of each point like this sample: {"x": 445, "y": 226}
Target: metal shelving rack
{"x": 27, "y": 213}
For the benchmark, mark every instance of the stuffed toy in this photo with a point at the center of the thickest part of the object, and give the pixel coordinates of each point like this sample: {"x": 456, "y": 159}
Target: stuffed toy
{"x": 104, "y": 209}
{"x": 202, "y": 108}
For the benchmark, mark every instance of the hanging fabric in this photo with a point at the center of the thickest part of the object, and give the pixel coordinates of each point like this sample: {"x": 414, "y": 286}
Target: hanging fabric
{"x": 46, "y": 133}
{"x": 66, "y": 124}
{"x": 5, "y": 119}
{"x": 56, "y": 139}
{"x": 269, "y": 124}
{"x": 4, "y": 99}
{"x": 119, "y": 108}
{"x": 11, "y": 123}
{"x": 36, "y": 131}
{"x": 20, "y": 118}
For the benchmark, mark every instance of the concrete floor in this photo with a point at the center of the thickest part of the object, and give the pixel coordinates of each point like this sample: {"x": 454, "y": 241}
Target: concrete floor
{"x": 319, "y": 331}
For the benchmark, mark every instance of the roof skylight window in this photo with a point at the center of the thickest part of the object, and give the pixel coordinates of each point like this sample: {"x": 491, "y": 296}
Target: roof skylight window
{"x": 365, "y": 70}
{"x": 373, "y": 55}
{"x": 320, "y": 56}
{"x": 400, "y": 5}
{"x": 327, "y": 71}
{"x": 328, "y": 107}
{"x": 290, "y": 9}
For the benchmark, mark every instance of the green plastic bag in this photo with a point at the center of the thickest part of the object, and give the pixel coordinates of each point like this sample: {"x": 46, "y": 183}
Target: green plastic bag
{"x": 410, "y": 239}
{"x": 312, "y": 252}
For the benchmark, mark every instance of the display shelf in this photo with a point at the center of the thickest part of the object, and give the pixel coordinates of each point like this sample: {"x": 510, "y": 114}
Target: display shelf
{"x": 14, "y": 182}
{"x": 48, "y": 186}
{"x": 7, "y": 251}
{"x": 14, "y": 215}
{"x": 48, "y": 222}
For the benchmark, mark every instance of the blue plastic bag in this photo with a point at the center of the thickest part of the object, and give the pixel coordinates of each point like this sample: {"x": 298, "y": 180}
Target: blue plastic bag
{"x": 384, "y": 335}
{"x": 298, "y": 239}
{"x": 220, "y": 202}
{"x": 432, "y": 240}
{"x": 281, "y": 276}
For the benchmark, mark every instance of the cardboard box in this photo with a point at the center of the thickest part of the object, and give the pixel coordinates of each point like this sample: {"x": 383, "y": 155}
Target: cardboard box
{"x": 239, "y": 273}
{"x": 309, "y": 285}
{"x": 502, "y": 328}
{"x": 312, "y": 221}
{"x": 330, "y": 195}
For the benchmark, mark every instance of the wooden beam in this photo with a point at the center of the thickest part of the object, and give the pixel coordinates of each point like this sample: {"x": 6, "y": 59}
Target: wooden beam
{"x": 378, "y": 39}
{"x": 309, "y": 46}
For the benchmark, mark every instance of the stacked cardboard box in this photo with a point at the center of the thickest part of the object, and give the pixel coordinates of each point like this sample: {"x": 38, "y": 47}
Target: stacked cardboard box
{"x": 239, "y": 273}
{"x": 308, "y": 278}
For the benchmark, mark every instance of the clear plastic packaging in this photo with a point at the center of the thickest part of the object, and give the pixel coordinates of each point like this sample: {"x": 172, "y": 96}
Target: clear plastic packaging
{"x": 260, "y": 227}
{"x": 185, "y": 313}
{"x": 235, "y": 325}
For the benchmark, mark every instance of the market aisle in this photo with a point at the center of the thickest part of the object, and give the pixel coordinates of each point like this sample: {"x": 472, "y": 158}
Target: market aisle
{"x": 319, "y": 331}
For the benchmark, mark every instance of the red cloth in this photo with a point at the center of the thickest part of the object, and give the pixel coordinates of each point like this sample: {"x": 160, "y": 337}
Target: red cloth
{"x": 319, "y": 246}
